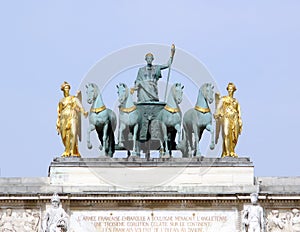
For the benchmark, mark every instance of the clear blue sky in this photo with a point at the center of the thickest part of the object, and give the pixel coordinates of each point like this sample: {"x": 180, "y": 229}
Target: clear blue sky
{"x": 254, "y": 44}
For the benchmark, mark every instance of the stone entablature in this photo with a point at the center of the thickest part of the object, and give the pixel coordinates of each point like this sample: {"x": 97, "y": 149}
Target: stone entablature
{"x": 90, "y": 209}
{"x": 199, "y": 204}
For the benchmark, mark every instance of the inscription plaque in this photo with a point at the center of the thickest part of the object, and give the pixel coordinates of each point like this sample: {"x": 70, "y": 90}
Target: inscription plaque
{"x": 154, "y": 221}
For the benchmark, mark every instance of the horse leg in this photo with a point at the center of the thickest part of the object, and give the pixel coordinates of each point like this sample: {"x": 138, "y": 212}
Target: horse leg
{"x": 105, "y": 128}
{"x": 161, "y": 141}
{"x": 210, "y": 128}
{"x": 197, "y": 137}
{"x": 165, "y": 138}
{"x": 199, "y": 132}
{"x": 138, "y": 148}
{"x": 122, "y": 127}
{"x": 135, "y": 131}
{"x": 89, "y": 130}
{"x": 178, "y": 129}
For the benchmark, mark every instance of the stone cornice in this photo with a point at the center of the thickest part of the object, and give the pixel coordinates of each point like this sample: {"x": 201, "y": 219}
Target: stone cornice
{"x": 154, "y": 162}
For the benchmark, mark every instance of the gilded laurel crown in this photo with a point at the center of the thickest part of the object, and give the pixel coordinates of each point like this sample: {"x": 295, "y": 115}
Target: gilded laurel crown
{"x": 63, "y": 85}
{"x": 232, "y": 85}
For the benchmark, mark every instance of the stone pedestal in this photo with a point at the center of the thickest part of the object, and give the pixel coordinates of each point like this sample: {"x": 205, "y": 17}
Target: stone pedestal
{"x": 135, "y": 174}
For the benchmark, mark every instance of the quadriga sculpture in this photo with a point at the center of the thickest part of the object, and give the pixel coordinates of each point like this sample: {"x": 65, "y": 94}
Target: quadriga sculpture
{"x": 129, "y": 117}
{"x": 170, "y": 118}
{"x": 102, "y": 119}
{"x": 196, "y": 120}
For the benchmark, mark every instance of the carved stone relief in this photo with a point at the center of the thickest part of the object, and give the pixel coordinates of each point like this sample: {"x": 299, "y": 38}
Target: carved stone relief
{"x": 14, "y": 220}
{"x": 283, "y": 220}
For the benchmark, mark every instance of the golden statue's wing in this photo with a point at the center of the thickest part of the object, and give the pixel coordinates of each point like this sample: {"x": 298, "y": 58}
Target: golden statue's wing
{"x": 218, "y": 120}
{"x": 79, "y": 97}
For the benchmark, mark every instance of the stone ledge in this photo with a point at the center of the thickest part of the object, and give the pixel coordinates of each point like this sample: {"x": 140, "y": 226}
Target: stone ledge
{"x": 113, "y": 191}
{"x": 45, "y": 187}
{"x": 23, "y": 181}
{"x": 278, "y": 180}
{"x": 153, "y": 162}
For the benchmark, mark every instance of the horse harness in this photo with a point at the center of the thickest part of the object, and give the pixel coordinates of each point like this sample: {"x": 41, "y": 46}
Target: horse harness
{"x": 128, "y": 110}
{"x": 98, "y": 110}
{"x": 202, "y": 110}
{"x": 171, "y": 110}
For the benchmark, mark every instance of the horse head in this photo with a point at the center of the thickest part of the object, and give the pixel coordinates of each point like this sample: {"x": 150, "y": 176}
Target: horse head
{"x": 177, "y": 92}
{"x": 92, "y": 91}
{"x": 122, "y": 92}
{"x": 207, "y": 90}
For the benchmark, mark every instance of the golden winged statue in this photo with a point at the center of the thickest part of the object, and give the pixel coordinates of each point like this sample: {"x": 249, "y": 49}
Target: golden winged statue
{"x": 228, "y": 120}
{"x": 68, "y": 123}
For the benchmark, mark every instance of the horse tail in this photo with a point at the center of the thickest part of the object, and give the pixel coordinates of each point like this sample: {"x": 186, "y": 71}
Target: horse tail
{"x": 99, "y": 130}
{"x": 187, "y": 138}
{"x": 190, "y": 141}
{"x": 182, "y": 146}
{"x": 111, "y": 140}
{"x": 111, "y": 129}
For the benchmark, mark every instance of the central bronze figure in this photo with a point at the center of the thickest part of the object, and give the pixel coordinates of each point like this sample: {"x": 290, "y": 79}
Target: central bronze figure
{"x": 149, "y": 106}
{"x": 147, "y": 77}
